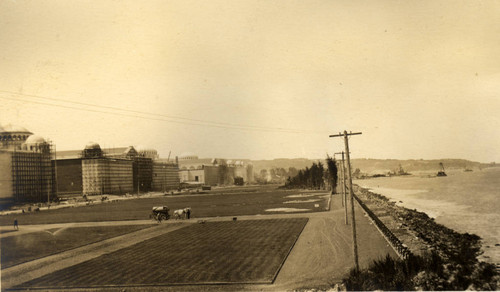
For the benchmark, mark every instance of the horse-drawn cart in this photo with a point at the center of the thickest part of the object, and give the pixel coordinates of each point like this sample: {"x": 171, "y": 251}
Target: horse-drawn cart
{"x": 160, "y": 213}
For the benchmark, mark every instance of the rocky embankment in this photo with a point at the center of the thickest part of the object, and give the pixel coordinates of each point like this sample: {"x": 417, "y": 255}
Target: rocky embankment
{"x": 422, "y": 236}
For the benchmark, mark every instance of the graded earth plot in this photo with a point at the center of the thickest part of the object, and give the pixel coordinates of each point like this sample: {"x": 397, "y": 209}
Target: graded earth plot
{"x": 250, "y": 251}
{"x": 203, "y": 205}
{"x": 18, "y": 249}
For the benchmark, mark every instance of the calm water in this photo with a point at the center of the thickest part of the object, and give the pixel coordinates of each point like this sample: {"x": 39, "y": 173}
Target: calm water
{"x": 463, "y": 201}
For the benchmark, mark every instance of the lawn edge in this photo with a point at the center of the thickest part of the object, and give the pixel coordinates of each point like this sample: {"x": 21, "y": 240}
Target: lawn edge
{"x": 289, "y": 250}
{"x": 69, "y": 249}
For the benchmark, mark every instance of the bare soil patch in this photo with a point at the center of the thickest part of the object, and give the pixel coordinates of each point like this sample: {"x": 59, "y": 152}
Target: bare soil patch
{"x": 301, "y": 201}
{"x": 287, "y": 210}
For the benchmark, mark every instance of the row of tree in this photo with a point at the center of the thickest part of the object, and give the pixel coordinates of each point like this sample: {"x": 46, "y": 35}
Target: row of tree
{"x": 316, "y": 176}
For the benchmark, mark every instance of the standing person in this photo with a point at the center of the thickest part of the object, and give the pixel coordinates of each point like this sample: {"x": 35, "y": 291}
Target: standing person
{"x": 188, "y": 213}
{"x": 16, "y": 226}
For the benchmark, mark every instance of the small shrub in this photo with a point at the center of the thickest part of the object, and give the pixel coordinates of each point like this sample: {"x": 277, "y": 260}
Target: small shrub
{"x": 428, "y": 281}
{"x": 428, "y": 273}
{"x": 385, "y": 274}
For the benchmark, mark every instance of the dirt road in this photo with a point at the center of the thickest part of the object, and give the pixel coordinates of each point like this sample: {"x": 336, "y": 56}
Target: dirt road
{"x": 323, "y": 254}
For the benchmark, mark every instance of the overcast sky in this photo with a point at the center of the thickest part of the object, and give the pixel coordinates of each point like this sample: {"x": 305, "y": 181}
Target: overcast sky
{"x": 256, "y": 79}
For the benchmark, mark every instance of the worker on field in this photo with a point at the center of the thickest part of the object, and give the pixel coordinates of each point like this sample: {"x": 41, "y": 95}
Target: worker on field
{"x": 16, "y": 226}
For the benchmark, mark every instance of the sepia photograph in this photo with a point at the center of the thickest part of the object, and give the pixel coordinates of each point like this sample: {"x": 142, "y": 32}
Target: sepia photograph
{"x": 249, "y": 145}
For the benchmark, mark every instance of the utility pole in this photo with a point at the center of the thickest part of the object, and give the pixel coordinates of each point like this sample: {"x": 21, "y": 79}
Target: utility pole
{"x": 339, "y": 167}
{"x": 47, "y": 168}
{"x": 138, "y": 181}
{"x": 354, "y": 241}
{"x": 344, "y": 197}
{"x": 164, "y": 177}
{"x": 55, "y": 173}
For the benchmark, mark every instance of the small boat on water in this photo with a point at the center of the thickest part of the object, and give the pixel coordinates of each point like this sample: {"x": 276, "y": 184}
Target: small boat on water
{"x": 401, "y": 171}
{"x": 441, "y": 172}
{"x": 398, "y": 172}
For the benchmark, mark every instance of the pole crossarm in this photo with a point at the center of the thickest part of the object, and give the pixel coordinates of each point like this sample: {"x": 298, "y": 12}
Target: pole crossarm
{"x": 348, "y": 134}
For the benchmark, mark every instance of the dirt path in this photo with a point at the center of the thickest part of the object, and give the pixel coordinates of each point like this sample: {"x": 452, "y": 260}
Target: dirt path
{"x": 321, "y": 256}
{"x": 24, "y": 229}
{"x": 323, "y": 253}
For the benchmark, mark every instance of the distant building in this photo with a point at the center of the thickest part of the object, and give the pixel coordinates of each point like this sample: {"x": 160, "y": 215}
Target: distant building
{"x": 244, "y": 171}
{"x": 13, "y": 137}
{"x": 26, "y": 172}
{"x": 213, "y": 171}
{"x": 204, "y": 174}
{"x": 114, "y": 171}
{"x": 90, "y": 171}
{"x": 121, "y": 152}
{"x": 106, "y": 175}
{"x": 187, "y": 156}
{"x": 165, "y": 176}
{"x": 148, "y": 153}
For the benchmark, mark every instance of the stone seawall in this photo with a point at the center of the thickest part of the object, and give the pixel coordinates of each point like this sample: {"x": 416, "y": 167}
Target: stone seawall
{"x": 399, "y": 247}
{"x": 392, "y": 221}
{"x": 415, "y": 232}
{"x": 447, "y": 260}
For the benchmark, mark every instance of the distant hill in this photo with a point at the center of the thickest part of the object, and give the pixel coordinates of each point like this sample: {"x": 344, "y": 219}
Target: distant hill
{"x": 374, "y": 166}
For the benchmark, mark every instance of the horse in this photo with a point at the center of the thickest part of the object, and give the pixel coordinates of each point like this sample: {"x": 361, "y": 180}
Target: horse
{"x": 183, "y": 213}
{"x": 180, "y": 214}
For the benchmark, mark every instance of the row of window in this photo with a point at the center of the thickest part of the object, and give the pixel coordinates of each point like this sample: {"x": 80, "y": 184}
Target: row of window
{"x": 13, "y": 138}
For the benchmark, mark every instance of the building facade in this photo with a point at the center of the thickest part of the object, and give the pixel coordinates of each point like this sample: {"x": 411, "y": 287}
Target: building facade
{"x": 216, "y": 171}
{"x": 165, "y": 176}
{"x": 117, "y": 171}
{"x": 31, "y": 171}
{"x": 143, "y": 173}
{"x": 13, "y": 137}
{"x": 69, "y": 176}
{"x": 26, "y": 171}
{"x": 107, "y": 176}
{"x": 204, "y": 174}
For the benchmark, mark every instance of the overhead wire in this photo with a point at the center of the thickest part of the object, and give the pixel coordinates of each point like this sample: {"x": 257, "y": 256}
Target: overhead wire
{"x": 165, "y": 118}
{"x": 120, "y": 109}
{"x": 129, "y": 115}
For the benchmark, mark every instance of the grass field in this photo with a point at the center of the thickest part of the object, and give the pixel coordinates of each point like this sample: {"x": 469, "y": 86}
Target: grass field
{"x": 31, "y": 246}
{"x": 231, "y": 202}
{"x": 215, "y": 252}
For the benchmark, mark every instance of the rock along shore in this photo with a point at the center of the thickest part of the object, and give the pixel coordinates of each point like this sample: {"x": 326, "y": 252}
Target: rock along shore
{"x": 419, "y": 232}
{"x": 411, "y": 231}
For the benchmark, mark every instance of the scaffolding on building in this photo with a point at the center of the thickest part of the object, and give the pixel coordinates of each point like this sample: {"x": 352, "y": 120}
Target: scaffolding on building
{"x": 105, "y": 174}
{"x": 33, "y": 174}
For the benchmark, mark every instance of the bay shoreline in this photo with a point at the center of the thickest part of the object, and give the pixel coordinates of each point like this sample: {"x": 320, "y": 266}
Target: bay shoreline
{"x": 421, "y": 236}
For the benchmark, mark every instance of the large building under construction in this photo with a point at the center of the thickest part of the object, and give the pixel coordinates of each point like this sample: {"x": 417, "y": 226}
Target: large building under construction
{"x": 26, "y": 171}
{"x": 31, "y": 171}
{"x": 96, "y": 171}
